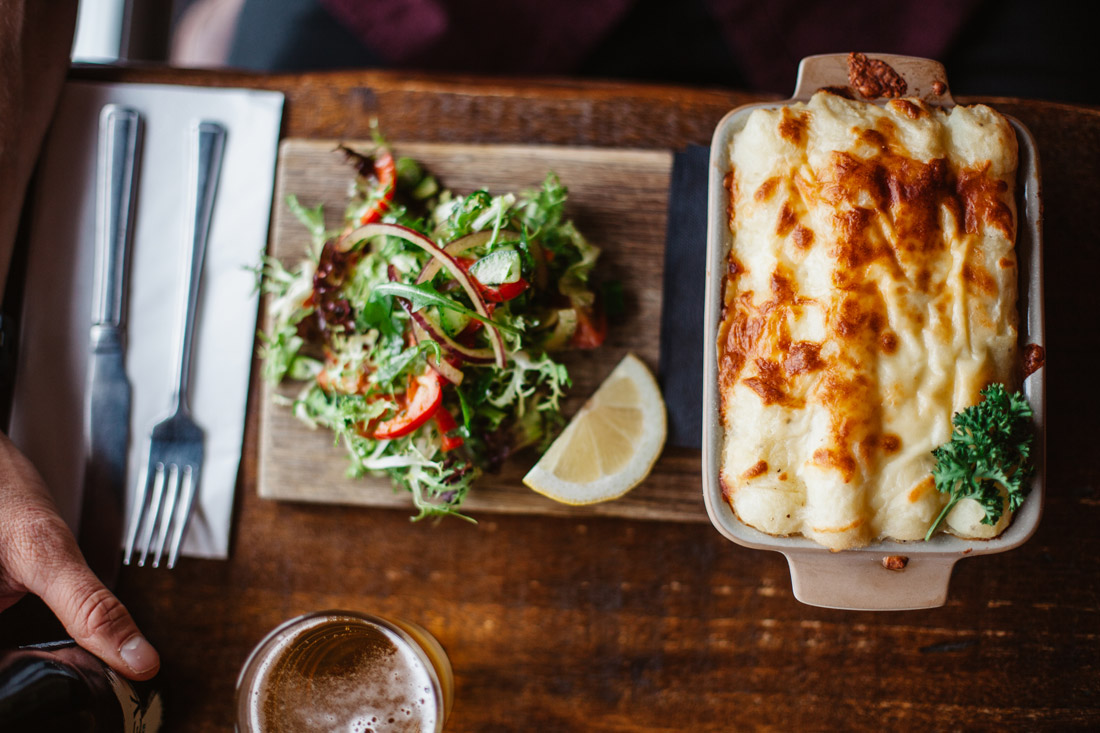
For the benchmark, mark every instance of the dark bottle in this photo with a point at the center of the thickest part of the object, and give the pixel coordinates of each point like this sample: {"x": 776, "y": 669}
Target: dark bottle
{"x": 61, "y": 688}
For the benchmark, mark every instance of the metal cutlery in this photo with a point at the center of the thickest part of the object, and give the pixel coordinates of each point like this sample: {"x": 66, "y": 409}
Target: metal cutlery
{"x": 107, "y": 408}
{"x": 170, "y": 481}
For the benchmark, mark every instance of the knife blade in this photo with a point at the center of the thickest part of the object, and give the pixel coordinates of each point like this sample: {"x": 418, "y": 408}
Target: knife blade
{"x": 107, "y": 400}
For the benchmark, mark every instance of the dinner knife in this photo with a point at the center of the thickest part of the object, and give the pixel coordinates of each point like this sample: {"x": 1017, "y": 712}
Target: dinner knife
{"x": 107, "y": 406}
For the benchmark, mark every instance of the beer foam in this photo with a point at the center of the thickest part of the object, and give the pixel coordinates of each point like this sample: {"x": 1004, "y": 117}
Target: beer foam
{"x": 382, "y": 685}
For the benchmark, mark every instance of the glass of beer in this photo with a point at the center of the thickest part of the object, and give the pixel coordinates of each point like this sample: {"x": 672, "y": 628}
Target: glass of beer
{"x": 348, "y": 672}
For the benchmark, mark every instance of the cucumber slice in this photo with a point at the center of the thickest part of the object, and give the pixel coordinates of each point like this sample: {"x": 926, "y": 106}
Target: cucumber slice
{"x": 498, "y": 267}
{"x": 451, "y": 321}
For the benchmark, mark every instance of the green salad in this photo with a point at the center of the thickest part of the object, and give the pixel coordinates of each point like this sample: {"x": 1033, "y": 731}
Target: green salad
{"x": 423, "y": 331}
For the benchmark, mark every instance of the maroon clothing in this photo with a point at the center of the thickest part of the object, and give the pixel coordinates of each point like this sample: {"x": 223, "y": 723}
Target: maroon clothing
{"x": 765, "y": 37}
{"x": 481, "y": 35}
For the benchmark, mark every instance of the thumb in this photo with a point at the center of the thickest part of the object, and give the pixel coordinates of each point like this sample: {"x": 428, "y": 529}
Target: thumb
{"x": 98, "y": 622}
{"x": 53, "y": 569}
{"x": 95, "y": 618}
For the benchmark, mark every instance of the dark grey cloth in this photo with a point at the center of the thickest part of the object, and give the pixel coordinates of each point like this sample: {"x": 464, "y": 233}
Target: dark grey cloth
{"x": 681, "y": 367}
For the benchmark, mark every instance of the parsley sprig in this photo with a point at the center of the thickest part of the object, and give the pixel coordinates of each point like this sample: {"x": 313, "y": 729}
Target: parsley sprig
{"x": 990, "y": 447}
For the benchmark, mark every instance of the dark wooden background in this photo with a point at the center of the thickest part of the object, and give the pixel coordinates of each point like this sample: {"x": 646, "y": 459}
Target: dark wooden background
{"x": 586, "y": 623}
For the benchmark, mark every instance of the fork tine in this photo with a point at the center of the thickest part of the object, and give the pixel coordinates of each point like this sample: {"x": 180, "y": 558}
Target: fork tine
{"x": 137, "y": 513}
{"x": 170, "y": 507}
{"x": 150, "y": 521}
{"x": 187, "y": 496}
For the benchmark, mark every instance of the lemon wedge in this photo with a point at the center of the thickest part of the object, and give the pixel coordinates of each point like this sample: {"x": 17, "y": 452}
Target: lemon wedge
{"x": 610, "y": 445}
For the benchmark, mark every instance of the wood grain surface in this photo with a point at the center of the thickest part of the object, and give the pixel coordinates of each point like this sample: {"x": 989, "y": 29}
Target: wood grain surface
{"x": 609, "y": 624}
{"x": 617, "y": 198}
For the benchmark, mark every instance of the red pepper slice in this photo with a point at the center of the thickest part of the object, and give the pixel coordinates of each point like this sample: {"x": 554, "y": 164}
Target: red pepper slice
{"x": 591, "y": 329}
{"x": 501, "y": 293}
{"x": 445, "y": 421}
{"x": 420, "y": 401}
{"x": 385, "y": 170}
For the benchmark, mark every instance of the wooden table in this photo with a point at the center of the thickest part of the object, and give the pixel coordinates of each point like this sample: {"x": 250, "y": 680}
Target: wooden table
{"x": 586, "y": 623}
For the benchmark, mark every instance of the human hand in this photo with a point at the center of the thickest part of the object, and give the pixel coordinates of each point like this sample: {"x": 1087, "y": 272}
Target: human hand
{"x": 39, "y": 555}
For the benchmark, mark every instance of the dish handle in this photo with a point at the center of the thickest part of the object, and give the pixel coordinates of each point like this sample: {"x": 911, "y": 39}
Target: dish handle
{"x": 924, "y": 78}
{"x": 870, "y": 581}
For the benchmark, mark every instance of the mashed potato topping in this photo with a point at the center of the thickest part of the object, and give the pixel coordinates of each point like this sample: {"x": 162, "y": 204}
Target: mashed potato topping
{"x": 870, "y": 293}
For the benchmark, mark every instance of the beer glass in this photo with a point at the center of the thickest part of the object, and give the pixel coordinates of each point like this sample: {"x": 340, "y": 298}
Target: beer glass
{"x": 345, "y": 671}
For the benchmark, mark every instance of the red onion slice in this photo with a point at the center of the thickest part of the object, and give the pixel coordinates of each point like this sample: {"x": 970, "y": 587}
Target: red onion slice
{"x": 434, "y": 331}
{"x": 474, "y": 356}
{"x": 457, "y": 246}
{"x": 450, "y": 373}
{"x": 368, "y": 231}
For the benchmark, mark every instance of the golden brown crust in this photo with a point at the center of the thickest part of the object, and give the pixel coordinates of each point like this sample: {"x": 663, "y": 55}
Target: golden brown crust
{"x": 1035, "y": 357}
{"x": 758, "y": 469}
{"x": 874, "y": 78}
{"x": 896, "y": 563}
{"x": 868, "y": 295}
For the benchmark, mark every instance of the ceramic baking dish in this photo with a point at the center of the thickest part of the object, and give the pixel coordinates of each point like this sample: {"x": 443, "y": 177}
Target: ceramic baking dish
{"x": 859, "y": 579}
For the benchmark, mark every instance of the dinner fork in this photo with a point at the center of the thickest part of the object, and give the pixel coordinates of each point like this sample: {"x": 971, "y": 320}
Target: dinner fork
{"x": 164, "y": 498}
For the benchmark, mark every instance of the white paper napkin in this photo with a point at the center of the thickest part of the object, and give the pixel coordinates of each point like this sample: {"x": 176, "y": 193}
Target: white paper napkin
{"x": 48, "y": 406}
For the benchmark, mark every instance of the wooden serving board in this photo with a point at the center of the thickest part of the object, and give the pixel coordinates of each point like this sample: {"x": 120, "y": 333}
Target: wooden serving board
{"x": 618, "y": 198}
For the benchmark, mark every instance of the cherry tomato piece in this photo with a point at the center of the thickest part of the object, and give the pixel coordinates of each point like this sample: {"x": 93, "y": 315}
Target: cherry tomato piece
{"x": 419, "y": 403}
{"x": 445, "y": 421}
{"x": 385, "y": 170}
